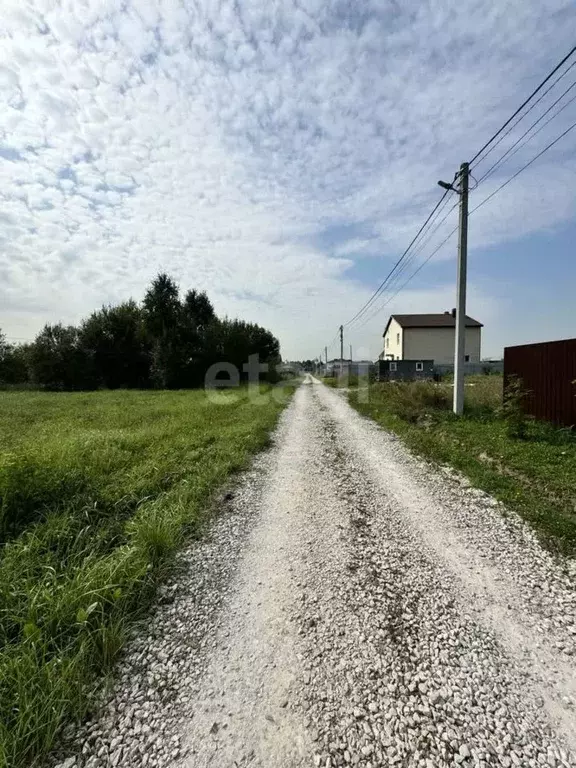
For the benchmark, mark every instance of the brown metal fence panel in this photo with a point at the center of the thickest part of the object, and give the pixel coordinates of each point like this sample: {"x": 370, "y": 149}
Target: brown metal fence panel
{"x": 548, "y": 373}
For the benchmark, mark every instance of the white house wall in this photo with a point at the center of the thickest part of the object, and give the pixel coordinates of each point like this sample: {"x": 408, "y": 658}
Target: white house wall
{"x": 393, "y": 342}
{"x": 438, "y": 344}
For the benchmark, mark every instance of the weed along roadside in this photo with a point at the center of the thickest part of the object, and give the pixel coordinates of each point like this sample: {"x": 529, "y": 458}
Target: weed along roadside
{"x": 529, "y": 466}
{"x": 98, "y": 491}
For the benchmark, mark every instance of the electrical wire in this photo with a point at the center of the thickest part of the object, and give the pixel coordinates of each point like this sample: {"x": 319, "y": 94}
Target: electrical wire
{"x": 515, "y": 148}
{"x": 397, "y": 264}
{"x": 422, "y": 245}
{"x": 522, "y": 117}
{"x": 527, "y": 165}
{"x": 489, "y": 197}
{"x": 329, "y": 346}
{"x": 412, "y": 259}
{"x": 334, "y": 338}
{"x": 412, "y": 276}
{"x": 524, "y": 103}
{"x": 403, "y": 262}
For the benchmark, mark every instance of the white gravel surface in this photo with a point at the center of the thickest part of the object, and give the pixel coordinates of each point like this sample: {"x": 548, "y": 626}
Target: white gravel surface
{"x": 351, "y": 605}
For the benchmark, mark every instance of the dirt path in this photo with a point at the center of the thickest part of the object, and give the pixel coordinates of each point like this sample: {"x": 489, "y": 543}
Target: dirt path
{"x": 353, "y": 606}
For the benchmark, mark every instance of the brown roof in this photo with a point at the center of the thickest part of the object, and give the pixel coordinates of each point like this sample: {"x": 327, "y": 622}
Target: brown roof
{"x": 443, "y": 320}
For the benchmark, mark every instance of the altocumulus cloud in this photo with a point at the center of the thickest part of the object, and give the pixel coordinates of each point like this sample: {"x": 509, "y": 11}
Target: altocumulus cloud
{"x": 258, "y": 150}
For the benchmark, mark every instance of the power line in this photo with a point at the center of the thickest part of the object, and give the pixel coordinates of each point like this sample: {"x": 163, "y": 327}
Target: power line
{"x": 527, "y": 165}
{"x": 524, "y": 103}
{"x": 329, "y": 346}
{"x": 523, "y": 117}
{"x": 413, "y": 275}
{"x": 435, "y": 251}
{"x": 511, "y": 151}
{"x": 412, "y": 259}
{"x": 397, "y": 270}
{"x": 421, "y": 247}
{"x": 398, "y": 262}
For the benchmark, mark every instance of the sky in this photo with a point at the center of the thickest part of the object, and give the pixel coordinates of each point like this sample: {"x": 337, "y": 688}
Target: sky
{"x": 281, "y": 155}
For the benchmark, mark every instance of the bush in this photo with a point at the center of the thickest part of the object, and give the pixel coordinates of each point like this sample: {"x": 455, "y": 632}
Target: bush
{"x": 512, "y": 410}
{"x": 412, "y": 401}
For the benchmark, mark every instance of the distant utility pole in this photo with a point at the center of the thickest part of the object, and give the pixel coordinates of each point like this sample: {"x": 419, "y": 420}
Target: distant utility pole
{"x": 326, "y": 358}
{"x": 460, "y": 335}
{"x": 350, "y": 352}
{"x": 341, "y": 350}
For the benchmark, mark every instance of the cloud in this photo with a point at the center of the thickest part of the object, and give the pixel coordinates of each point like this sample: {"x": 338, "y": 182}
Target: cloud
{"x": 222, "y": 141}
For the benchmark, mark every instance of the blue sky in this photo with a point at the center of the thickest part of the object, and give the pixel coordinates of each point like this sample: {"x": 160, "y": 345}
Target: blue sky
{"x": 280, "y": 155}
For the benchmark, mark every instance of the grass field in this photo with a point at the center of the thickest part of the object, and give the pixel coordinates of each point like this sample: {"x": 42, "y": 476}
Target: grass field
{"x": 97, "y": 491}
{"x": 344, "y": 382}
{"x": 534, "y": 475}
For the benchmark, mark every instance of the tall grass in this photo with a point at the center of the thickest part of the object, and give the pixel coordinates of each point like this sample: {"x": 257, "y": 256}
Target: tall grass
{"x": 414, "y": 400}
{"x": 347, "y": 381}
{"x": 483, "y": 396}
{"x": 97, "y": 491}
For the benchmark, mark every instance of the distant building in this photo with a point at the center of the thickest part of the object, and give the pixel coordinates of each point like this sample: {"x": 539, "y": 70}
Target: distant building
{"x": 429, "y": 337}
{"x": 349, "y": 367}
{"x": 333, "y": 367}
{"x": 405, "y": 370}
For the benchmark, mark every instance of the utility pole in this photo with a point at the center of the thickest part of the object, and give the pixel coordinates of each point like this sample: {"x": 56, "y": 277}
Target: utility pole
{"x": 326, "y": 358}
{"x": 460, "y": 321}
{"x": 341, "y": 349}
{"x": 350, "y": 353}
{"x": 460, "y": 344}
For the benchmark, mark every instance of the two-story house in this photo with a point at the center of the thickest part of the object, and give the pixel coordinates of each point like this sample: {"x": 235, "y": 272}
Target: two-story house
{"x": 429, "y": 337}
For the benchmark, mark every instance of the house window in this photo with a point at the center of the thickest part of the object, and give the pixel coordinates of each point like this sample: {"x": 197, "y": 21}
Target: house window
{"x": 466, "y": 358}
{"x": 397, "y": 338}
{"x": 419, "y": 366}
{"x": 393, "y": 366}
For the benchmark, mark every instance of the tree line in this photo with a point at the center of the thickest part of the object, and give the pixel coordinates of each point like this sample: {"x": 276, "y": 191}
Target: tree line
{"x": 166, "y": 342}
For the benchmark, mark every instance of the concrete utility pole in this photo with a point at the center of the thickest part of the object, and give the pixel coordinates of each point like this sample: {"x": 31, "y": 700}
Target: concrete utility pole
{"x": 326, "y": 358}
{"x": 460, "y": 345}
{"x": 341, "y": 350}
{"x": 350, "y": 352}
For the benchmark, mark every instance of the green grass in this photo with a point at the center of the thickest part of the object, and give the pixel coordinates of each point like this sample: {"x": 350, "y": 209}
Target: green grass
{"x": 536, "y": 476}
{"x": 97, "y": 491}
{"x": 345, "y": 382}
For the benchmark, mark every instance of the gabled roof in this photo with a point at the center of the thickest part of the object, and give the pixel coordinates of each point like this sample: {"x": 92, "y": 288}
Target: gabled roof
{"x": 442, "y": 320}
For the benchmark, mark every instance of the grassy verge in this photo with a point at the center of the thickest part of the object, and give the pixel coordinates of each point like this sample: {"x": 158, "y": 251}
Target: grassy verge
{"x": 97, "y": 491}
{"x": 345, "y": 382}
{"x": 534, "y": 475}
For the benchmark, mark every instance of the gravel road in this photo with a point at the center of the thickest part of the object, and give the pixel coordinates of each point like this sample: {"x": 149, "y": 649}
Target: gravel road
{"x": 351, "y": 605}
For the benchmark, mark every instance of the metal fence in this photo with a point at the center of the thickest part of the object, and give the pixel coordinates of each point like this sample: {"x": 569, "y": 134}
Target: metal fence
{"x": 548, "y": 374}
